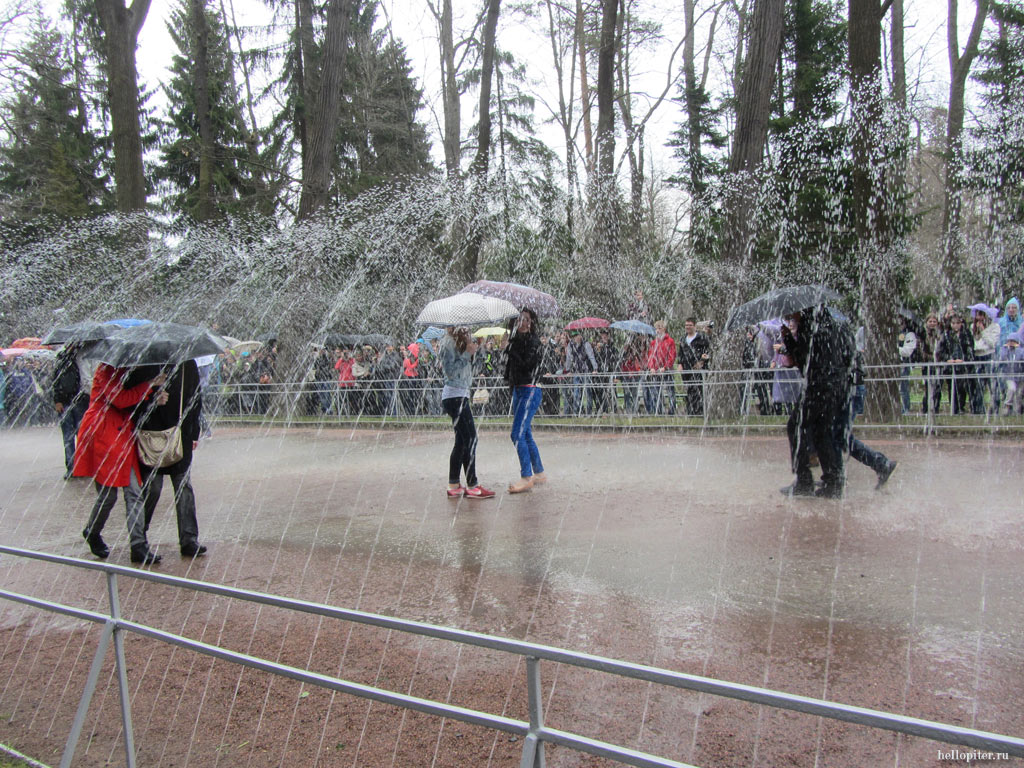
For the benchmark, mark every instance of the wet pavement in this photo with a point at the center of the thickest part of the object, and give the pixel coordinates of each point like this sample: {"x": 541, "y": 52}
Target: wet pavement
{"x": 673, "y": 551}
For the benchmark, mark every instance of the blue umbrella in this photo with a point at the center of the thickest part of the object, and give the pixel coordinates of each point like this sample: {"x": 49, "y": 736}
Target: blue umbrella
{"x": 633, "y": 326}
{"x": 127, "y": 322}
{"x": 433, "y": 332}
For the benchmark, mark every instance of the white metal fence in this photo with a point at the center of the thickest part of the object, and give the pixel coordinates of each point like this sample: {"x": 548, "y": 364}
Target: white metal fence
{"x": 535, "y": 732}
{"x": 990, "y": 389}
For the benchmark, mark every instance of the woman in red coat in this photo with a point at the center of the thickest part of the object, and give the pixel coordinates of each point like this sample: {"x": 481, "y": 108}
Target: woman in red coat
{"x": 106, "y": 452}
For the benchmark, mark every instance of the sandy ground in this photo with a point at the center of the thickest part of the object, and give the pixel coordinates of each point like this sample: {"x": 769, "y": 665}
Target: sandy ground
{"x": 673, "y": 551}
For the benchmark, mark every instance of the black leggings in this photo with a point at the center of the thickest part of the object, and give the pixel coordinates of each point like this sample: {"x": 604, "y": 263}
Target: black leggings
{"x": 464, "y": 453}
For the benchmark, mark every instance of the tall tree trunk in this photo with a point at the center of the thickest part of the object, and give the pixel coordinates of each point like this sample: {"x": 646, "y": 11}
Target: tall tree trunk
{"x": 565, "y": 113}
{"x": 693, "y": 101}
{"x": 205, "y": 209}
{"x": 634, "y": 134}
{"x": 480, "y": 164}
{"x": 879, "y": 262}
{"x": 121, "y": 27}
{"x": 606, "y": 90}
{"x": 959, "y": 69}
{"x": 450, "y": 93}
{"x": 897, "y": 27}
{"x": 323, "y": 121}
{"x": 483, "y": 151}
{"x": 749, "y": 140}
{"x": 581, "y": 44}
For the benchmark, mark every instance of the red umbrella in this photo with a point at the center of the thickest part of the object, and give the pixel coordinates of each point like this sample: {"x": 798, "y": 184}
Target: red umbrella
{"x": 587, "y": 322}
{"x": 29, "y": 342}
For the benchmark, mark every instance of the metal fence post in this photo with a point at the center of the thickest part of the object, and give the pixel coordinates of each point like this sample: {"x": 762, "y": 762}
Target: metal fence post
{"x": 122, "y": 675}
{"x": 83, "y": 703}
{"x": 533, "y": 748}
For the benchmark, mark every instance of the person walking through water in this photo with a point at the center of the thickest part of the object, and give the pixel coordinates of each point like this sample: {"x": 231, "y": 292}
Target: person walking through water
{"x": 106, "y": 452}
{"x": 183, "y": 407}
{"x": 522, "y": 361}
{"x": 456, "y": 355}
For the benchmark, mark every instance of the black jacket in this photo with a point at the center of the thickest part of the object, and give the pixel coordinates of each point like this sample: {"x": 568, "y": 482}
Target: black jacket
{"x": 823, "y": 350}
{"x": 148, "y": 415}
{"x": 67, "y": 383}
{"x": 522, "y": 359}
{"x": 690, "y": 354}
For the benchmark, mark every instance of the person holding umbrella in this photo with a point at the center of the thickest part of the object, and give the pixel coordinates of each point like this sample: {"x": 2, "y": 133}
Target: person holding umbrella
{"x": 106, "y": 452}
{"x": 183, "y": 405}
{"x": 456, "y": 354}
{"x": 523, "y": 358}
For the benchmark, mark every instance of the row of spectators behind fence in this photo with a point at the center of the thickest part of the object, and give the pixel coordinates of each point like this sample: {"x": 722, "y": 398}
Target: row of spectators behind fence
{"x": 953, "y": 362}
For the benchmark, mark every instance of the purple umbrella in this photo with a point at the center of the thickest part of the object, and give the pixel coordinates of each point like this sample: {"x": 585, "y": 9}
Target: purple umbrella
{"x": 992, "y": 312}
{"x": 544, "y": 304}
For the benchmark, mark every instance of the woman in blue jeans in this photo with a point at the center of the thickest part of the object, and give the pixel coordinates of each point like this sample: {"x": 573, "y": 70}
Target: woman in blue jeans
{"x": 523, "y": 360}
{"x": 456, "y": 354}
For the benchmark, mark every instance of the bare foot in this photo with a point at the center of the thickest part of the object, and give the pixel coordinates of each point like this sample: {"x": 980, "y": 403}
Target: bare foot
{"x": 540, "y": 478}
{"x": 524, "y": 484}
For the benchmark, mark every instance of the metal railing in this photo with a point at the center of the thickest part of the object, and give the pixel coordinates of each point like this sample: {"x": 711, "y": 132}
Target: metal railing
{"x": 760, "y": 392}
{"x": 534, "y": 732}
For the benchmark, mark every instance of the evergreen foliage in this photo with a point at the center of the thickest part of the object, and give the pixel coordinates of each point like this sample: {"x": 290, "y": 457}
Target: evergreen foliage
{"x": 51, "y": 158}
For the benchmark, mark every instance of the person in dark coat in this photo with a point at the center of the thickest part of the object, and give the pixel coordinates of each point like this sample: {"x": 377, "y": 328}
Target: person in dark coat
{"x": 69, "y": 400}
{"x": 823, "y": 350}
{"x": 183, "y": 405}
{"x": 957, "y": 350}
{"x": 694, "y": 358}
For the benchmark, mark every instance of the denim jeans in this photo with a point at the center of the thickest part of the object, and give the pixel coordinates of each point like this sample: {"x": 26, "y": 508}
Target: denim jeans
{"x": 525, "y": 401}
{"x": 69, "y": 422}
{"x": 905, "y": 388}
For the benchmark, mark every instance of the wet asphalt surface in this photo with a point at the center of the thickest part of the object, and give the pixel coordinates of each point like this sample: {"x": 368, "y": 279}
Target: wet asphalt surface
{"x": 668, "y": 550}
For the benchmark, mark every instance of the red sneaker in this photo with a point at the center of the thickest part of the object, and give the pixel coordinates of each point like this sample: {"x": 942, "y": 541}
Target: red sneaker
{"x": 479, "y": 492}
{"x": 454, "y": 493}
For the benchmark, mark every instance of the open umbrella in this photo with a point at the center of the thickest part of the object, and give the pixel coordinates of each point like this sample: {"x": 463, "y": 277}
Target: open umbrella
{"x": 29, "y": 342}
{"x": 467, "y": 309}
{"x": 154, "y": 344}
{"x": 992, "y": 312}
{"x": 587, "y": 322}
{"x": 779, "y": 303}
{"x": 87, "y": 330}
{"x": 377, "y": 340}
{"x": 491, "y": 331}
{"x": 127, "y": 322}
{"x": 13, "y": 351}
{"x": 544, "y": 304}
{"x": 633, "y": 326}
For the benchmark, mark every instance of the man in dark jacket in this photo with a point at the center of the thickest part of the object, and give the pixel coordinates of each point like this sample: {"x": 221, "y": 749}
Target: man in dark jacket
{"x": 184, "y": 404}
{"x": 823, "y": 349}
{"x": 694, "y": 357}
{"x": 70, "y": 400}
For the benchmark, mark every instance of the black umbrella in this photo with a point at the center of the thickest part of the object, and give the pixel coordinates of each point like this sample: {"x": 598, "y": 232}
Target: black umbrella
{"x": 342, "y": 340}
{"x": 779, "y": 303}
{"x": 376, "y": 340}
{"x": 154, "y": 344}
{"x": 87, "y": 330}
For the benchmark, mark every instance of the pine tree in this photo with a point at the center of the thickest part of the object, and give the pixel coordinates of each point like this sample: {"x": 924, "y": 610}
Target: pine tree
{"x": 231, "y": 182}
{"x": 51, "y": 162}
{"x": 997, "y": 165}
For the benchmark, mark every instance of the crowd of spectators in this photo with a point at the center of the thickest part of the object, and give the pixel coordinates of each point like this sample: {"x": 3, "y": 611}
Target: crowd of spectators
{"x": 954, "y": 362}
